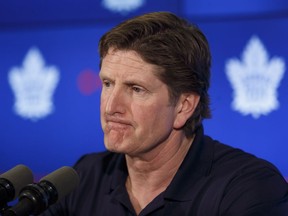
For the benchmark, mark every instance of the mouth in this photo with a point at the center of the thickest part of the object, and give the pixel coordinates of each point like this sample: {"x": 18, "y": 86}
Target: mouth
{"x": 116, "y": 124}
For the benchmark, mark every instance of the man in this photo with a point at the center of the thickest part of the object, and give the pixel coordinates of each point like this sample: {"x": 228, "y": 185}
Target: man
{"x": 155, "y": 71}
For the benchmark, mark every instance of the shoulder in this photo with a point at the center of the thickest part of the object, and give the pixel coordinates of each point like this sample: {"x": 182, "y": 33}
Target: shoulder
{"x": 250, "y": 184}
{"x": 95, "y": 181}
{"x": 236, "y": 167}
{"x": 228, "y": 159}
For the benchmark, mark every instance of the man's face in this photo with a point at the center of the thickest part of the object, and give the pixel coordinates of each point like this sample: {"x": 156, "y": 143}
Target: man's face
{"x": 136, "y": 115}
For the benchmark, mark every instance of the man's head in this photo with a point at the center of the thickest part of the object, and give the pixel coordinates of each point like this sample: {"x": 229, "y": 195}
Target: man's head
{"x": 179, "y": 49}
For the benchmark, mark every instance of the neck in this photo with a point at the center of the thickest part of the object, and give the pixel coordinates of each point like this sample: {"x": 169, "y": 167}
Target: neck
{"x": 151, "y": 173}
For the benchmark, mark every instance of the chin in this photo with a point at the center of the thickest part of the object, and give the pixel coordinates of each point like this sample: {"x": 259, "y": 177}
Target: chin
{"x": 113, "y": 147}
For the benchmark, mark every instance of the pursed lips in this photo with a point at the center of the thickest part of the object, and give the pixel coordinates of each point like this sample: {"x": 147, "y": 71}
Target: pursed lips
{"x": 116, "y": 124}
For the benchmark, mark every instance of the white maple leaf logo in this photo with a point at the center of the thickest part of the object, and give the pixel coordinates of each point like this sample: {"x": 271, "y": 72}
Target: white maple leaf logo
{"x": 33, "y": 85}
{"x": 123, "y": 6}
{"x": 255, "y": 80}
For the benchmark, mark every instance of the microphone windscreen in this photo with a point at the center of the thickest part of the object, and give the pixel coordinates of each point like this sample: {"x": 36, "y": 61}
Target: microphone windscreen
{"x": 64, "y": 180}
{"x": 19, "y": 177}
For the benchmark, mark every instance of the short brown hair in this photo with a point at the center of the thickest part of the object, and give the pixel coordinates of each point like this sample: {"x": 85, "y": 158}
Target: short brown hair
{"x": 179, "y": 48}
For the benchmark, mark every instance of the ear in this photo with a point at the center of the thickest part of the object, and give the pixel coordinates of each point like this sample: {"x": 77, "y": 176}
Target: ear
{"x": 185, "y": 107}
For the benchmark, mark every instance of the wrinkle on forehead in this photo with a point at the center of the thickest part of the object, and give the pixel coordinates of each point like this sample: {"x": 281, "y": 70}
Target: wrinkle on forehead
{"x": 128, "y": 58}
{"x": 129, "y": 53}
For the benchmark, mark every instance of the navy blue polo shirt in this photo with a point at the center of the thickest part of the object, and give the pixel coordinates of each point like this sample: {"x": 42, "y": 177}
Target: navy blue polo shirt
{"x": 213, "y": 180}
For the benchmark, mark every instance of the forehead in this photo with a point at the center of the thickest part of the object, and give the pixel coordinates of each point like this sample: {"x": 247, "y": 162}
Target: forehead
{"x": 123, "y": 56}
{"x": 128, "y": 61}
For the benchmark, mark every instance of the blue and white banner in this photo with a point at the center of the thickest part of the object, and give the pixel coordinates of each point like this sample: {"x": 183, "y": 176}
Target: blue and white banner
{"x": 50, "y": 90}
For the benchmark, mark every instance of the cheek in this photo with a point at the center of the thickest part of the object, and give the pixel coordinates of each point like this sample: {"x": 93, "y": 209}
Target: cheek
{"x": 154, "y": 116}
{"x": 102, "y": 109}
{"x": 102, "y": 103}
{"x": 102, "y": 106}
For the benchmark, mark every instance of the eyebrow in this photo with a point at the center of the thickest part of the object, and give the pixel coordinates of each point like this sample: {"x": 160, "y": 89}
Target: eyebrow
{"x": 129, "y": 82}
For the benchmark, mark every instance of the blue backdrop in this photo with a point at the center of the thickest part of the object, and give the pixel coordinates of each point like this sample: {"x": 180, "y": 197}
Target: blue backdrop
{"x": 50, "y": 91}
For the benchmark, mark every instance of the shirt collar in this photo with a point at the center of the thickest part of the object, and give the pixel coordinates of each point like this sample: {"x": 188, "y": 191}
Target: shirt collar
{"x": 195, "y": 166}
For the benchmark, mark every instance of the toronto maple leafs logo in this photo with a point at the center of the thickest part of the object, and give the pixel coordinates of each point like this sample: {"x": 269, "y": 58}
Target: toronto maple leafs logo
{"x": 123, "y": 6}
{"x": 255, "y": 80}
{"x": 33, "y": 85}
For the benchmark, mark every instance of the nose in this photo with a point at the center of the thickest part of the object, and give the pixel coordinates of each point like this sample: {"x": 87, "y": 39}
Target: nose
{"x": 115, "y": 103}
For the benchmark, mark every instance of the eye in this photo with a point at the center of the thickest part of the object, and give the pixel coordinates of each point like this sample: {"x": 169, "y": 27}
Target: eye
{"x": 137, "y": 89}
{"x": 106, "y": 83}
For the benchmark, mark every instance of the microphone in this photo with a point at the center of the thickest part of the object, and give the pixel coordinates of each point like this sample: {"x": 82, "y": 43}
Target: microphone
{"x": 36, "y": 198}
{"x": 11, "y": 182}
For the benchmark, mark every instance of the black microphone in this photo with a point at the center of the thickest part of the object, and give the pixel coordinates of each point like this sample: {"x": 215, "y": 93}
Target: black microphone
{"x": 36, "y": 198}
{"x": 11, "y": 182}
